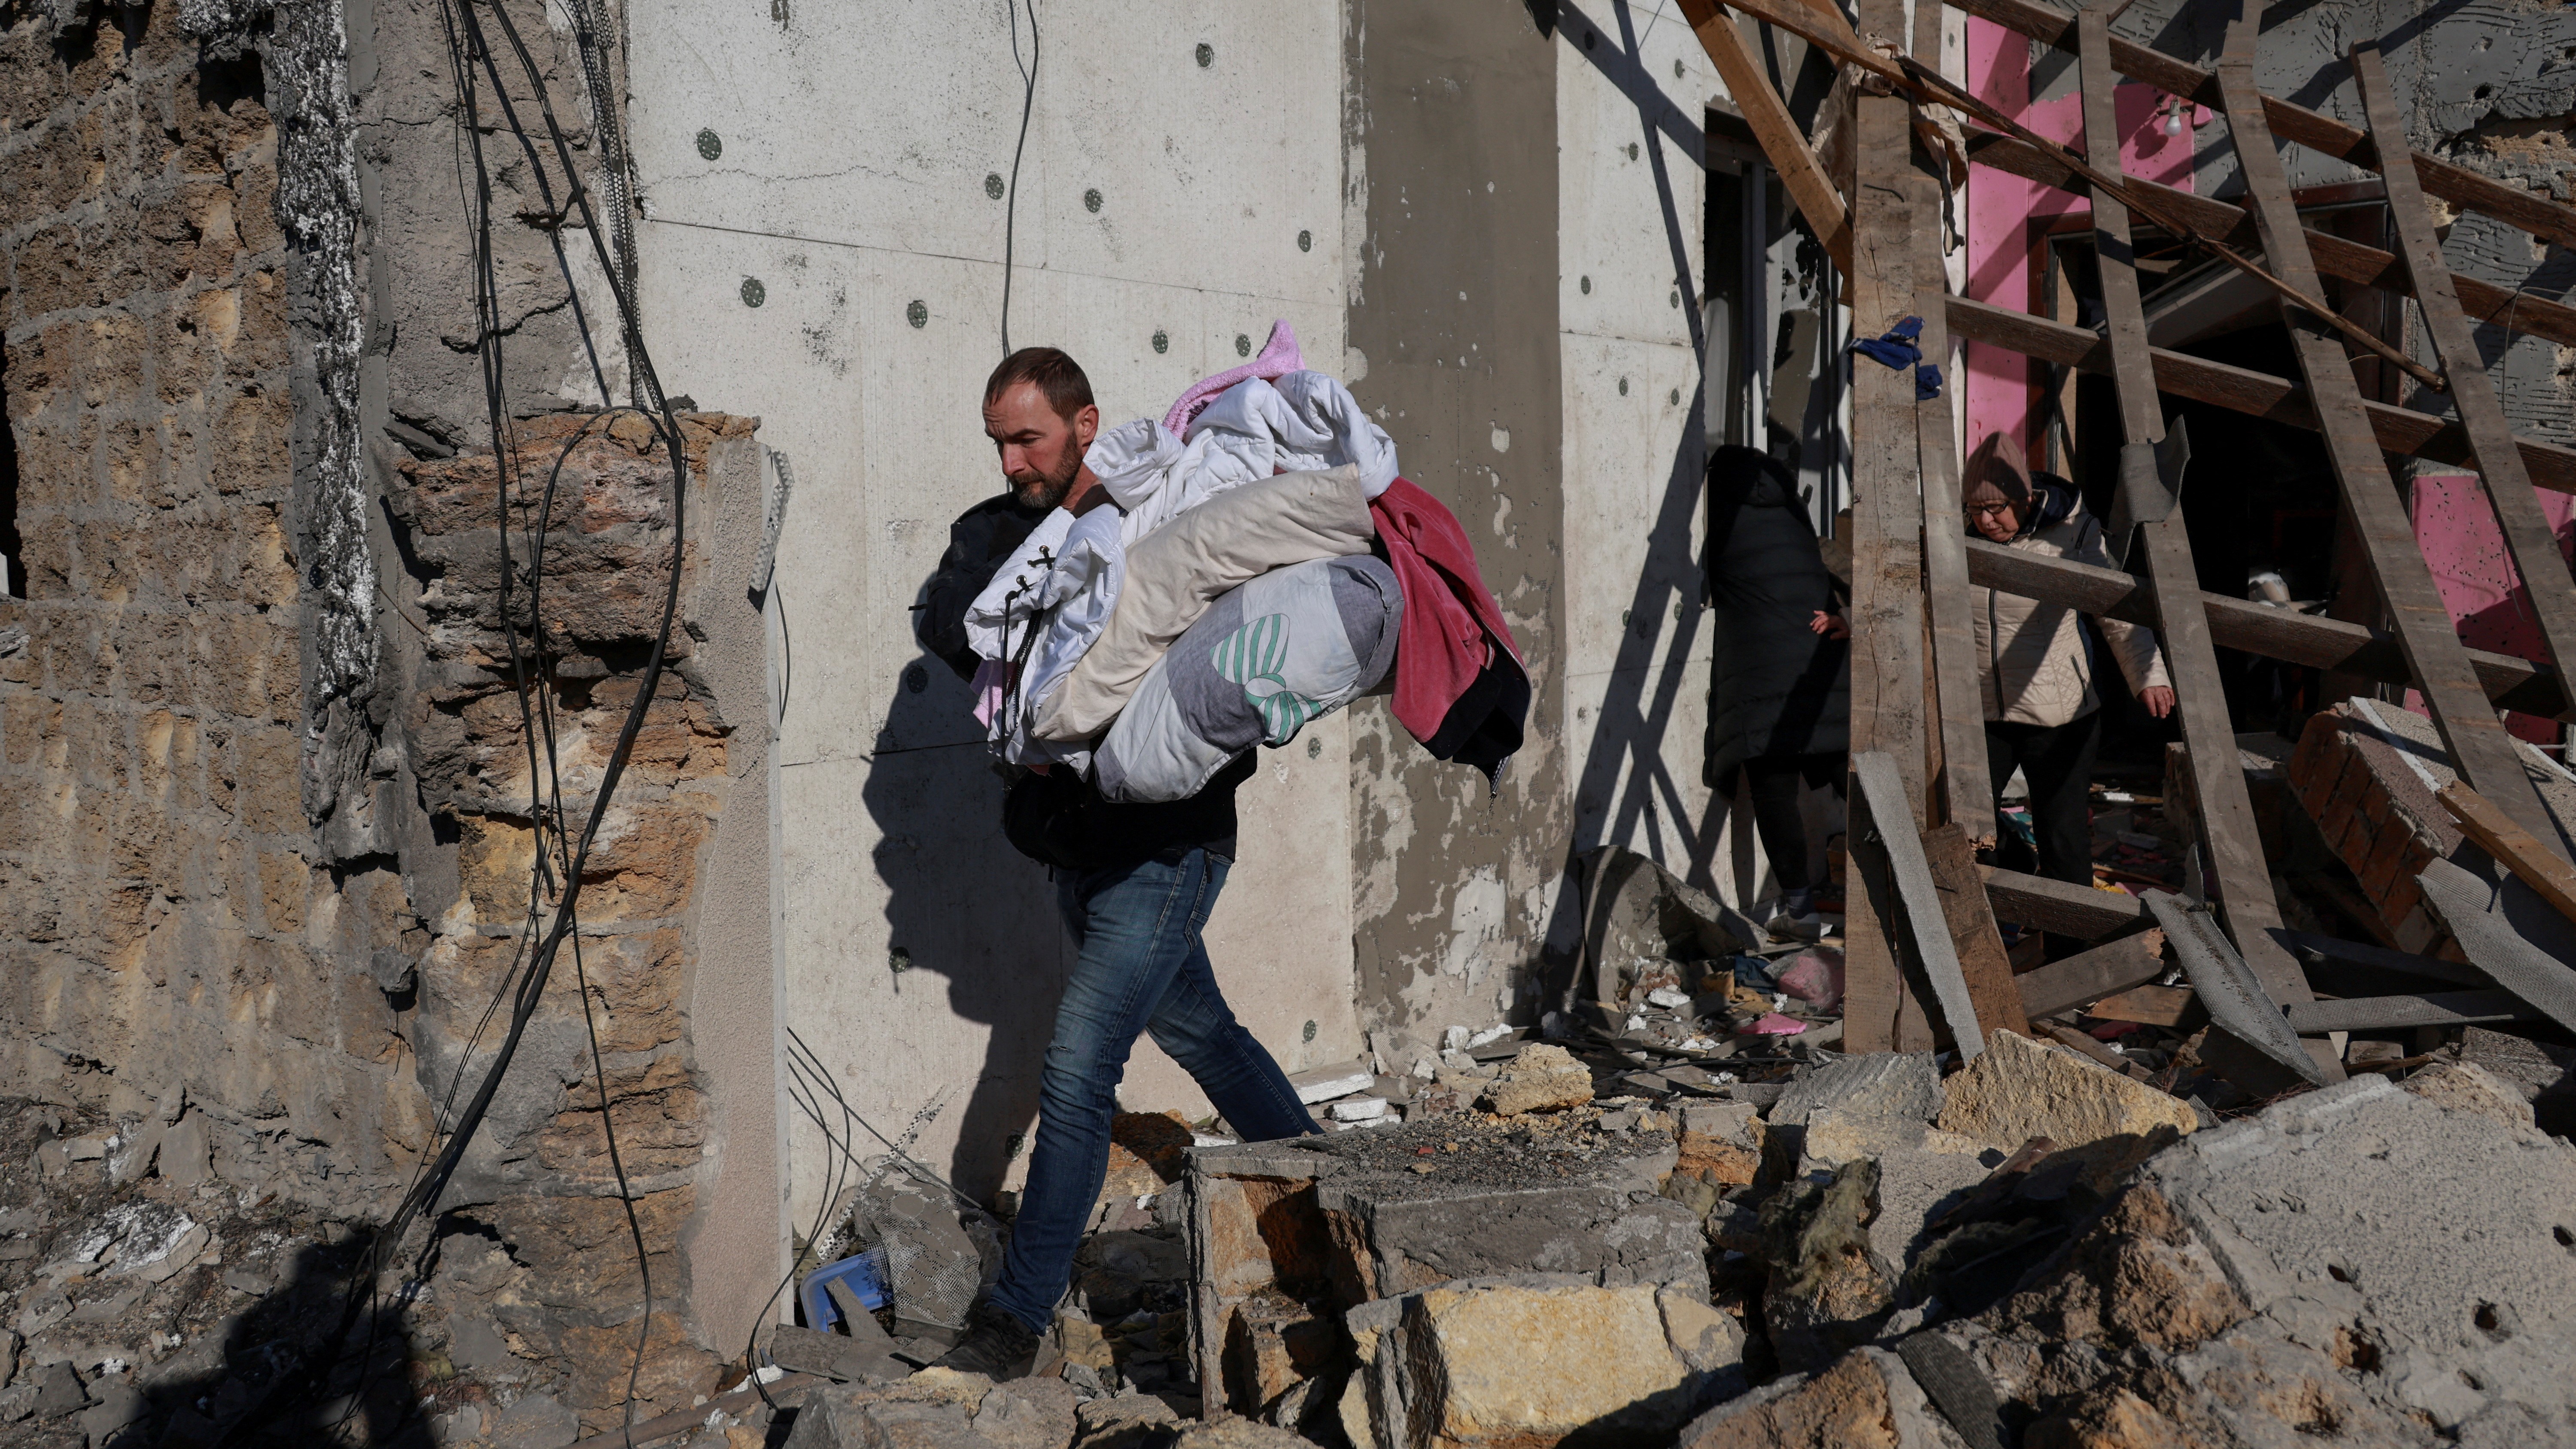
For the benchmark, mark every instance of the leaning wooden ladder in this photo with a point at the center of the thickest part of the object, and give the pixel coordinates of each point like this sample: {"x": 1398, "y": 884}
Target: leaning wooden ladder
{"x": 1915, "y": 713}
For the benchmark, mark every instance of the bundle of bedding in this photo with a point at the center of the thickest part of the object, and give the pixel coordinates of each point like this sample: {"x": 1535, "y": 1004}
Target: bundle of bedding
{"x": 1262, "y": 566}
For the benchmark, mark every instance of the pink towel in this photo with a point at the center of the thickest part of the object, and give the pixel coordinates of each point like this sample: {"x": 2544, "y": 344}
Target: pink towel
{"x": 992, "y": 680}
{"x": 1278, "y": 358}
{"x": 1772, "y": 1023}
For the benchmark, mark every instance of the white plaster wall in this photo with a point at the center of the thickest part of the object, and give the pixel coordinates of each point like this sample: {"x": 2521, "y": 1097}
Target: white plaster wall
{"x": 1636, "y": 638}
{"x": 851, "y": 184}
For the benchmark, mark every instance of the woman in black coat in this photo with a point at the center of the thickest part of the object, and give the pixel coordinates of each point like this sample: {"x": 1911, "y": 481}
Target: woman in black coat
{"x": 1779, "y": 706}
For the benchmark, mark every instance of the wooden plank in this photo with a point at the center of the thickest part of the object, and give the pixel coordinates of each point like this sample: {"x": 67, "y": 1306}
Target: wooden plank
{"x": 2388, "y": 1013}
{"x": 2256, "y": 394}
{"x": 1925, "y": 911}
{"x": 2458, "y": 185}
{"x": 1782, "y": 139}
{"x": 2146, "y": 1005}
{"x": 2335, "y": 256}
{"x": 1973, "y": 936}
{"x": 2088, "y": 976}
{"x": 2283, "y": 634}
{"x": 1887, "y": 574}
{"x": 2058, "y": 908}
{"x": 2085, "y": 1046}
{"x": 2514, "y": 847}
{"x": 1961, "y": 716}
{"x": 2479, "y": 747}
{"x": 2209, "y": 735}
{"x": 2547, "y": 592}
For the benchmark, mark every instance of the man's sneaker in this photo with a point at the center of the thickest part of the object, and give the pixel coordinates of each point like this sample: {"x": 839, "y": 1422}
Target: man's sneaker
{"x": 997, "y": 1345}
{"x": 1794, "y": 917}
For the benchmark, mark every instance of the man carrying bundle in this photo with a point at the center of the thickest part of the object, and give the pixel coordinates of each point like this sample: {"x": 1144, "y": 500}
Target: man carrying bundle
{"x": 1136, "y": 883}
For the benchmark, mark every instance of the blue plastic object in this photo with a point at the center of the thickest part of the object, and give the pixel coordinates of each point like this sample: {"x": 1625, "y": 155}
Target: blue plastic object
{"x": 865, "y": 1275}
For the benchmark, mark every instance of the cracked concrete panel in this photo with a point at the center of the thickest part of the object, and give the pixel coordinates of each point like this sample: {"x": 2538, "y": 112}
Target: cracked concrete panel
{"x": 1456, "y": 312}
{"x": 849, "y": 181}
{"x": 1629, "y": 221}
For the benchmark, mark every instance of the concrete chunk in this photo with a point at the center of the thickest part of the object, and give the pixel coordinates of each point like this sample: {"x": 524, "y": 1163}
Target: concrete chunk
{"x": 1540, "y": 1077}
{"x": 2467, "y": 1087}
{"x": 1503, "y": 1365}
{"x": 1859, "y": 1106}
{"x": 2019, "y": 1089}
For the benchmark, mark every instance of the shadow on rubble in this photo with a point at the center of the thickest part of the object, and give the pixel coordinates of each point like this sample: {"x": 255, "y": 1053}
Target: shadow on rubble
{"x": 962, "y": 905}
{"x": 286, "y": 1375}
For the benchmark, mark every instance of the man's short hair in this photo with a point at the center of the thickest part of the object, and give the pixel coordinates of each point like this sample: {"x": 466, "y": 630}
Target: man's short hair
{"x": 1059, "y": 377}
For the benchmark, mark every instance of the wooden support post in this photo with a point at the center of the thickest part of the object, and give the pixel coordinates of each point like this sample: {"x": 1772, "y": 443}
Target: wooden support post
{"x": 2309, "y": 639}
{"x": 2484, "y": 754}
{"x": 2335, "y": 256}
{"x": 2257, "y": 394}
{"x": 1980, "y": 947}
{"x": 1810, "y": 189}
{"x": 1962, "y": 787}
{"x": 2527, "y": 534}
{"x": 1926, "y": 914}
{"x": 1887, "y": 576}
{"x": 2209, "y": 735}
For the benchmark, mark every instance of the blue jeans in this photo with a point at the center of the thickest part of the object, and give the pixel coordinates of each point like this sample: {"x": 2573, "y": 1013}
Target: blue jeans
{"x": 1140, "y": 966}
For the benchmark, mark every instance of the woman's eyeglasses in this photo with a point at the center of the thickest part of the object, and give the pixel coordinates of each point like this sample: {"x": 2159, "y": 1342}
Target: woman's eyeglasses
{"x": 1980, "y": 512}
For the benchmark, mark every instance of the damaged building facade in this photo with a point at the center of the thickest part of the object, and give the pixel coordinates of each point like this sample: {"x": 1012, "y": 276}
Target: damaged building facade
{"x": 281, "y": 822}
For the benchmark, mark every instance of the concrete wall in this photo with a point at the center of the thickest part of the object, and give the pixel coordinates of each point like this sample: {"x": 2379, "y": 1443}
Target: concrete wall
{"x": 851, "y": 181}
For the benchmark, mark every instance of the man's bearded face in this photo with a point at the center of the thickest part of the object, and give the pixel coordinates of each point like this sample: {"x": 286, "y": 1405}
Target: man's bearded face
{"x": 1040, "y": 450}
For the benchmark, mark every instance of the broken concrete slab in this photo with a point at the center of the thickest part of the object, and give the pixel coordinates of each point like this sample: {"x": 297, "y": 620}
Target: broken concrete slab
{"x": 1541, "y": 1076}
{"x": 1638, "y": 916}
{"x": 1029, "y": 1413}
{"x": 2318, "y": 1213}
{"x": 1857, "y": 1106}
{"x": 1496, "y": 1363}
{"x": 2020, "y": 1089}
{"x": 2544, "y": 1074}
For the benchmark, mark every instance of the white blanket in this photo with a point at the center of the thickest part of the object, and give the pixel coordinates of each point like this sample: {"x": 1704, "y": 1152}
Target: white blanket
{"x": 1063, "y": 579}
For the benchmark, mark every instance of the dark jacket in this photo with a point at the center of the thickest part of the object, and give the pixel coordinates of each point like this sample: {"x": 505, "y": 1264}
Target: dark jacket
{"x": 1057, "y": 818}
{"x": 1777, "y": 688}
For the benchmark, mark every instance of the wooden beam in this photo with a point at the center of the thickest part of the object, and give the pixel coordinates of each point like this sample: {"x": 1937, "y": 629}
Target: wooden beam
{"x": 2547, "y": 590}
{"x": 2351, "y": 261}
{"x": 1925, "y": 911}
{"x": 2295, "y": 638}
{"x": 2257, "y": 394}
{"x": 2389, "y": 1013}
{"x": 2088, "y": 976}
{"x": 1962, "y": 785}
{"x": 2061, "y": 909}
{"x": 1782, "y": 140}
{"x": 2479, "y": 747}
{"x": 2515, "y": 848}
{"x": 1880, "y": 1011}
{"x": 2209, "y": 735}
{"x": 2458, "y": 185}
{"x": 1973, "y": 937}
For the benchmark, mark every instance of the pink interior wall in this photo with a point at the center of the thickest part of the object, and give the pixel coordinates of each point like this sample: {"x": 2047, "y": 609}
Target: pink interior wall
{"x": 2006, "y": 214}
{"x": 2456, "y": 528}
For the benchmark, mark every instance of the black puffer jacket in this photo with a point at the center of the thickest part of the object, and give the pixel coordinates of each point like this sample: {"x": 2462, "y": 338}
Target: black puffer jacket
{"x": 1776, "y": 687}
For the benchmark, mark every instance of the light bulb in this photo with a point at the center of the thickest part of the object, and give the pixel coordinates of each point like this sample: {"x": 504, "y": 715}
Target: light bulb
{"x": 2173, "y": 120}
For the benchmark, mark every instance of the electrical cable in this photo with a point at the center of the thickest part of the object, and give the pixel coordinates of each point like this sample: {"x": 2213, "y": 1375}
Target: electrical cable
{"x": 530, "y": 969}
{"x": 1028, "y": 107}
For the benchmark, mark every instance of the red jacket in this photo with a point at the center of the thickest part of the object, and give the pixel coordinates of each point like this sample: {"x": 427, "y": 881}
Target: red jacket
{"x": 1460, "y": 686}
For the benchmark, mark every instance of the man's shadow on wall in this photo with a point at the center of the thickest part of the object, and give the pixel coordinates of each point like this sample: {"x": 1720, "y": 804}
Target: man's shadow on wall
{"x": 966, "y": 909}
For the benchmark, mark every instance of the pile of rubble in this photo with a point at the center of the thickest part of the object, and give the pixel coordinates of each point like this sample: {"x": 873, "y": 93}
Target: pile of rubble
{"x": 2031, "y": 1249}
